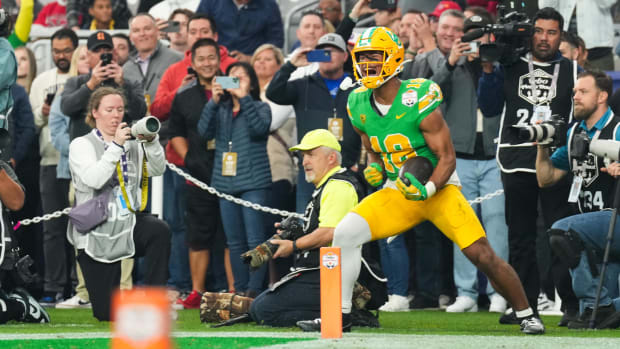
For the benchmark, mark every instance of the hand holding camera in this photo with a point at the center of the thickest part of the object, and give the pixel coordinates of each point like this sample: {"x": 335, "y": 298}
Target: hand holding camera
{"x": 122, "y": 134}
{"x": 299, "y": 58}
{"x": 289, "y": 229}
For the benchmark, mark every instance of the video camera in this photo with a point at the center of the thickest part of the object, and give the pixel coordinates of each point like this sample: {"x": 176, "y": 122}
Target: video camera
{"x": 291, "y": 228}
{"x": 512, "y": 36}
{"x": 551, "y": 132}
{"x": 582, "y": 146}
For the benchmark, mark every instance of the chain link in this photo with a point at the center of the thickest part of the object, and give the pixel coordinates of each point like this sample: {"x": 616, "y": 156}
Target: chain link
{"x": 480, "y": 199}
{"x": 228, "y": 197}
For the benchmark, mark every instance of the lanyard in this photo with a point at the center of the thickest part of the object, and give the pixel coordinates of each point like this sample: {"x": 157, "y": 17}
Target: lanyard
{"x": 554, "y": 81}
{"x": 123, "y": 175}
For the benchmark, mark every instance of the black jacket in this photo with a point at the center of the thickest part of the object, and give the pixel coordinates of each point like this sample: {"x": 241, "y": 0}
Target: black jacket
{"x": 184, "y": 116}
{"x": 313, "y": 106}
{"x": 75, "y": 98}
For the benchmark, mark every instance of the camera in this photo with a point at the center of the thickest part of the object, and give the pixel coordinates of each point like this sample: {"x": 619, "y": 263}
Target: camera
{"x": 512, "y": 36}
{"x": 147, "y": 126}
{"x": 582, "y": 145}
{"x": 106, "y": 58}
{"x": 291, "y": 228}
{"x": 551, "y": 132}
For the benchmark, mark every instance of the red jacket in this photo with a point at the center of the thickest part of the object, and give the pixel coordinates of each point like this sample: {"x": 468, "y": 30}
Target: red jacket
{"x": 167, "y": 89}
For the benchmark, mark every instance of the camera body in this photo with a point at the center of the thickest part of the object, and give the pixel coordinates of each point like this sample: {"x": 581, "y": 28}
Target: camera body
{"x": 551, "y": 132}
{"x": 512, "y": 32}
{"x": 292, "y": 229}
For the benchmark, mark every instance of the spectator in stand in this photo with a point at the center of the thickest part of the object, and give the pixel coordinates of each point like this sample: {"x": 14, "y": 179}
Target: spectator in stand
{"x": 311, "y": 28}
{"x": 582, "y": 60}
{"x": 383, "y": 18}
{"x": 592, "y": 20}
{"x": 54, "y": 191}
{"x": 78, "y": 14}
{"x": 569, "y": 46}
{"x": 332, "y": 11}
{"x": 122, "y": 47}
{"x": 54, "y": 14}
{"x": 165, "y": 8}
{"x": 202, "y": 215}
{"x": 199, "y": 26}
{"x": 407, "y": 34}
{"x": 319, "y": 102}
{"x": 101, "y": 13}
{"x": 243, "y": 25}
{"x": 150, "y": 59}
{"x": 241, "y": 143}
{"x": 266, "y": 61}
{"x": 78, "y": 89}
{"x": 441, "y": 6}
{"x": 178, "y": 40}
{"x": 26, "y": 67}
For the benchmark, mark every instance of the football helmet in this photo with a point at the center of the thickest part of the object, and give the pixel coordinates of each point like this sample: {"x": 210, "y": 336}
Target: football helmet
{"x": 383, "y": 40}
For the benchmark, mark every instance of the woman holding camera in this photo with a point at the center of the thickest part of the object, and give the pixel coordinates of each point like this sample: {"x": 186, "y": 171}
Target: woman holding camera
{"x": 108, "y": 170}
{"x": 239, "y": 122}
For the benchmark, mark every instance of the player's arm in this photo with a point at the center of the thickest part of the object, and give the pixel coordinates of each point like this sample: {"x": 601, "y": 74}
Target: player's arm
{"x": 546, "y": 173}
{"x": 437, "y": 136}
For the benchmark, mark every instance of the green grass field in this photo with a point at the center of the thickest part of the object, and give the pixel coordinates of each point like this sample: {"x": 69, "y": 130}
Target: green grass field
{"x": 78, "y": 329}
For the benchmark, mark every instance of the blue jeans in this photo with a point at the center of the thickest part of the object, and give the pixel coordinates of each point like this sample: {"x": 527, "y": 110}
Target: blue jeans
{"x": 245, "y": 229}
{"x": 592, "y": 229}
{"x": 395, "y": 265}
{"x": 304, "y": 190}
{"x": 478, "y": 178}
{"x": 174, "y": 215}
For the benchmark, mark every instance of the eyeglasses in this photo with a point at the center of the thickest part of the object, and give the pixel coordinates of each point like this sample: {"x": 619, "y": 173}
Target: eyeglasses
{"x": 66, "y": 52}
{"x": 329, "y": 9}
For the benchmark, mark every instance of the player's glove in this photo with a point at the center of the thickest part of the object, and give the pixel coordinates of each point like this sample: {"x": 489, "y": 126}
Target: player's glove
{"x": 374, "y": 174}
{"x": 414, "y": 191}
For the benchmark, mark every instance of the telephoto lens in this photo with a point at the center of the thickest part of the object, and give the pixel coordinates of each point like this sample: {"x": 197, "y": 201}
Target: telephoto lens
{"x": 147, "y": 126}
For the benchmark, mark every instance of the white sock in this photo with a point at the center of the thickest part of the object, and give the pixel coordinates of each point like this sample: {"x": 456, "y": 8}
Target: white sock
{"x": 350, "y": 234}
{"x": 524, "y": 313}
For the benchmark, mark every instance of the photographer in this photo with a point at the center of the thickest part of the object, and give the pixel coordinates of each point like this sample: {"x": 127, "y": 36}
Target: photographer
{"x": 104, "y": 71}
{"x": 109, "y": 169}
{"x": 529, "y": 89}
{"x": 337, "y": 191}
{"x": 592, "y": 190}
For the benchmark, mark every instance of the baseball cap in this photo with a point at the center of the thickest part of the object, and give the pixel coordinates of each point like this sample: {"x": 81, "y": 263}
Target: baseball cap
{"x": 332, "y": 40}
{"x": 99, "y": 39}
{"x": 317, "y": 138}
{"x": 442, "y": 6}
{"x": 475, "y": 22}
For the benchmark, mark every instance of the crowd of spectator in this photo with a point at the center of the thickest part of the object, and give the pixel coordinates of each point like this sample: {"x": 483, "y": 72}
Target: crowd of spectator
{"x": 237, "y": 139}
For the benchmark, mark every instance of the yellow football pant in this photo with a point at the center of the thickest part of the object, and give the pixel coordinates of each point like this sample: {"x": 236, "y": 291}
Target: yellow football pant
{"x": 389, "y": 213}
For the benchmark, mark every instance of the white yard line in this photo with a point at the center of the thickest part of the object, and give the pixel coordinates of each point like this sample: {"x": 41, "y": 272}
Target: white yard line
{"x": 372, "y": 340}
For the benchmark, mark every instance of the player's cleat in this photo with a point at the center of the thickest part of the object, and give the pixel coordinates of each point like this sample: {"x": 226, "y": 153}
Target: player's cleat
{"x": 532, "y": 325}
{"x": 74, "y": 302}
{"x": 395, "y": 303}
{"x": 498, "y": 303}
{"x": 463, "y": 304}
{"x": 315, "y": 325}
{"x": 33, "y": 311}
{"x": 193, "y": 300}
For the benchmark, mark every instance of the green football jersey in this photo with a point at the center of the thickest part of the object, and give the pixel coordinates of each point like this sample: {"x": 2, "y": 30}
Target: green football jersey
{"x": 397, "y": 136}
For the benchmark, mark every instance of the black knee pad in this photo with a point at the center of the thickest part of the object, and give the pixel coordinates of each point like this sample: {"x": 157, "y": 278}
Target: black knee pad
{"x": 566, "y": 245}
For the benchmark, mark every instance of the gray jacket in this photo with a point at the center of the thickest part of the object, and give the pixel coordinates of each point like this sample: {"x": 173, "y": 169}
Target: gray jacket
{"x": 460, "y": 101}
{"x": 159, "y": 62}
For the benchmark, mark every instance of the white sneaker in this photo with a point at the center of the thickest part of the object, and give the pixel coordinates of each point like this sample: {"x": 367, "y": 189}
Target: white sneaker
{"x": 463, "y": 304}
{"x": 74, "y": 302}
{"x": 498, "y": 303}
{"x": 544, "y": 303}
{"x": 395, "y": 303}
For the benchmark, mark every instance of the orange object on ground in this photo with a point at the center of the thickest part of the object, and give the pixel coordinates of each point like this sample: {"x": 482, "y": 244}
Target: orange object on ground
{"x": 331, "y": 293}
{"x": 141, "y": 319}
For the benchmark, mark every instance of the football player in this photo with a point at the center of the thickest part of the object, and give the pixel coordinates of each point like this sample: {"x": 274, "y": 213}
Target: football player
{"x": 398, "y": 120}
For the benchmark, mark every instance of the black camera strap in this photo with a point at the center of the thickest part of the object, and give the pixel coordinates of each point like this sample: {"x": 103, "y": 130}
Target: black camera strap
{"x": 554, "y": 80}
